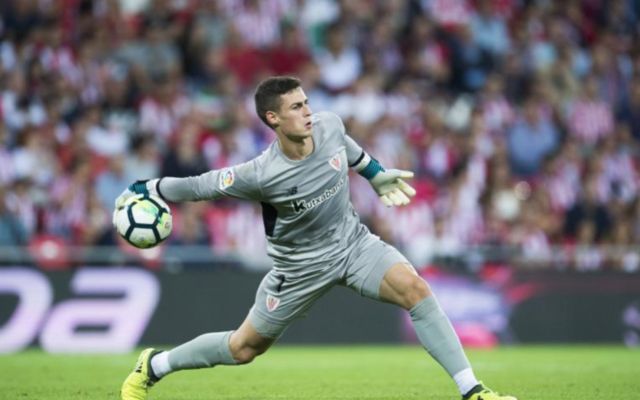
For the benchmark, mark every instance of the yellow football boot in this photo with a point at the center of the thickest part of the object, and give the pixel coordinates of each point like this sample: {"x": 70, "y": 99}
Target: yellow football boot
{"x": 481, "y": 392}
{"x": 137, "y": 384}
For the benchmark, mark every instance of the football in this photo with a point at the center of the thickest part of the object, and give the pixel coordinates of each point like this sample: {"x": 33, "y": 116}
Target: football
{"x": 144, "y": 221}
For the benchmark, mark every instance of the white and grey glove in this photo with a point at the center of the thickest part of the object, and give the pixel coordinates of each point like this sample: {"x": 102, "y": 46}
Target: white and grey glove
{"x": 391, "y": 188}
{"x": 388, "y": 184}
{"x": 148, "y": 186}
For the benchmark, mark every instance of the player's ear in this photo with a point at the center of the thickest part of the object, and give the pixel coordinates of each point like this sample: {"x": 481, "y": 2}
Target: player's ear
{"x": 272, "y": 118}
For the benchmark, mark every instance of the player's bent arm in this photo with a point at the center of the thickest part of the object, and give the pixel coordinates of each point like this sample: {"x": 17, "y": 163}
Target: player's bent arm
{"x": 389, "y": 184}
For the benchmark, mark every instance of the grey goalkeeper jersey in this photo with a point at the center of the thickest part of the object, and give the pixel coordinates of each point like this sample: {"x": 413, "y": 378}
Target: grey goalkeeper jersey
{"x": 308, "y": 217}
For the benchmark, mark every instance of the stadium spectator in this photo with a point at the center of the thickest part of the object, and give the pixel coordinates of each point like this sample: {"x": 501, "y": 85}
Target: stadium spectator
{"x": 590, "y": 118}
{"x": 383, "y": 52}
{"x": 470, "y": 63}
{"x": 339, "y": 62}
{"x": 184, "y": 158}
{"x": 532, "y": 137}
{"x": 118, "y": 108}
{"x": 623, "y": 255}
{"x": 428, "y": 56}
{"x": 191, "y": 226}
{"x": 489, "y": 29}
{"x": 501, "y": 202}
{"x": 531, "y": 237}
{"x": 560, "y": 179}
{"x": 497, "y": 111}
{"x": 162, "y": 110}
{"x": 12, "y": 230}
{"x": 143, "y": 159}
{"x": 69, "y": 201}
{"x": 245, "y": 60}
{"x": 7, "y": 172}
{"x": 586, "y": 256}
{"x": 96, "y": 229}
{"x": 102, "y": 141}
{"x": 110, "y": 180}
{"x": 257, "y": 22}
{"x": 629, "y": 111}
{"x": 33, "y": 158}
{"x": 19, "y": 201}
{"x": 290, "y": 54}
{"x": 154, "y": 54}
{"x": 588, "y": 207}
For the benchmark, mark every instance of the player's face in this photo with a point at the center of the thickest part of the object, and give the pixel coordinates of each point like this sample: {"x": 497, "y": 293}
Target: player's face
{"x": 294, "y": 116}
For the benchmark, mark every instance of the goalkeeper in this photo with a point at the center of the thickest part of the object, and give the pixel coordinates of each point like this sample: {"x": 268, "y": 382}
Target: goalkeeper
{"x": 315, "y": 239}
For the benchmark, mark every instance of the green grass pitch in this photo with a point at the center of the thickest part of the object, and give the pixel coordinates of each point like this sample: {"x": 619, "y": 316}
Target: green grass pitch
{"x": 344, "y": 372}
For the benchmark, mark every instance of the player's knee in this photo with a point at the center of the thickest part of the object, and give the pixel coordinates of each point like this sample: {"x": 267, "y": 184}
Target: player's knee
{"x": 245, "y": 344}
{"x": 244, "y": 357}
{"x": 415, "y": 290}
{"x": 246, "y": 354}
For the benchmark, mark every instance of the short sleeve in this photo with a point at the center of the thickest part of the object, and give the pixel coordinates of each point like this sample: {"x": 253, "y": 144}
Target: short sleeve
{"x": 354, "y": 151}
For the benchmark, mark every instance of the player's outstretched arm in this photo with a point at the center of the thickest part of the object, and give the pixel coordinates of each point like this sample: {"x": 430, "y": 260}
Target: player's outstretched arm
{"x": 176, "y": 190}
{"x": 389, "y": 184}
{"x": 238, "y": 181}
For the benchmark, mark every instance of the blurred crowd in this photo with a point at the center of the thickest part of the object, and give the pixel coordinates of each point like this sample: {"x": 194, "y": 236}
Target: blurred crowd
{"x": 520, "y": 118}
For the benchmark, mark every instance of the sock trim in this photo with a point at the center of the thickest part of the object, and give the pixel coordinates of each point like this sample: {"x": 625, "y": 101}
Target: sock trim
{"x": 159, "y": 364}
{"x": 466, "y": 381}
{"x": 424, "y": 307}
{"x": 227, "y": 349}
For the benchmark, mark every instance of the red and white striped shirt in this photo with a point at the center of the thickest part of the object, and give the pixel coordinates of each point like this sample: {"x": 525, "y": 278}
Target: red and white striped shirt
{"x": 258, "y": 24}
{"x": 6, "y": 167}
{"x": 163, "y": 119}
{"x": 619, "y": 171}
{"x": 234, "y": 229}
{"x": 449, "y": 12}
{"x": 563, "y": 186}
{"x": 590, "y": 121}
{"x": 497, "y": 113}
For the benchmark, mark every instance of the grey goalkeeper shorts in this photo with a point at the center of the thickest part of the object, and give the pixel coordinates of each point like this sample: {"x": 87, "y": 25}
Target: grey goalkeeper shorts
{"x": 282, "y": 298}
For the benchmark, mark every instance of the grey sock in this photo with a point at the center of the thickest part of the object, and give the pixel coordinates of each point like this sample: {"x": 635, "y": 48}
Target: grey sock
{"x": 205, "y": 351}
{"x": 437, "y": 335}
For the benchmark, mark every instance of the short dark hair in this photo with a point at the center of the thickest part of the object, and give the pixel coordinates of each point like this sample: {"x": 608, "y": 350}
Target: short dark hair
{"x": 267, "y": 96}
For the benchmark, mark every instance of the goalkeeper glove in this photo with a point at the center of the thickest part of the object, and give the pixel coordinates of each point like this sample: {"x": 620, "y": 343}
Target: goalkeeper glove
{"x": 147, "y": 186}
{"x": 388, "y": 184}
{"x": 391, "y": 187}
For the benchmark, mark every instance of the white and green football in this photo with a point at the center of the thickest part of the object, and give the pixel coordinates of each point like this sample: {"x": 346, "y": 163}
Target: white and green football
{"x": 144, "y": 221}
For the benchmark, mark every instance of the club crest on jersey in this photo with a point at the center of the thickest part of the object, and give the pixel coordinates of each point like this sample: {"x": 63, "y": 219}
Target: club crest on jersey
{"x": 336, "y": 162}
{"x": 272, "y": 303}
{"x": 226, "y": 178}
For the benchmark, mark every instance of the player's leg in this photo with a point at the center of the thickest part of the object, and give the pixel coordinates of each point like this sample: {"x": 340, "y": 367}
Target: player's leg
{"x": 380, "y": 272}
{"x": 401, "y": 285}
{"x": 220, "y": 348}
{"x": 253, "y": 337}
{"x": 279, "y": 301}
